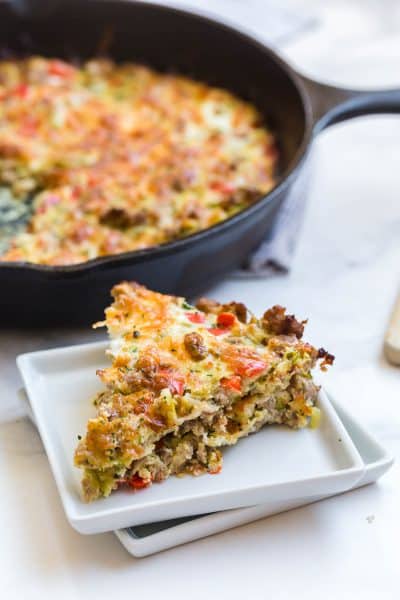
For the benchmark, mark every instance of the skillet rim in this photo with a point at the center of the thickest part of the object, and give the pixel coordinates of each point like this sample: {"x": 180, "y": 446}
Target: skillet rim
{"x": 162, "y": 250}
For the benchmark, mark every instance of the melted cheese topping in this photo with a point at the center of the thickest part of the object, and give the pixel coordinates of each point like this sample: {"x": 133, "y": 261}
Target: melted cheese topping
{"x": 120, "y": 157}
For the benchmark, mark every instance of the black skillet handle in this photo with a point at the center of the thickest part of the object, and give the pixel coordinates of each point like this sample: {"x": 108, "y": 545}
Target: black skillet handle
{"x": 332, "y": 104}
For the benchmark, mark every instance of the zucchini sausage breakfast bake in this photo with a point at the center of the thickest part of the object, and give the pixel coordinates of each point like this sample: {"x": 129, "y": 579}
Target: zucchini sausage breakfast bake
{"x": 185, "y": 381}
{"x": 104, "y": 158}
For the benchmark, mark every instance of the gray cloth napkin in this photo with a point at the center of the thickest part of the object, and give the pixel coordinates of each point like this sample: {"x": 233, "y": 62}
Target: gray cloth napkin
{"x": 275, "y": 254}
{"x": 276, "y": 25}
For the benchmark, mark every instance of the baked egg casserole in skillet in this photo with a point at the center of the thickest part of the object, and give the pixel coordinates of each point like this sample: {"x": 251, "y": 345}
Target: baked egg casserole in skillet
{"x": 105, "y": 158}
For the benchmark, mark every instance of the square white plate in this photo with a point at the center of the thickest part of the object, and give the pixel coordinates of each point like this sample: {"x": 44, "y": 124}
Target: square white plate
{"x": 275, "y": 463}
{"x": 143, "y": 540}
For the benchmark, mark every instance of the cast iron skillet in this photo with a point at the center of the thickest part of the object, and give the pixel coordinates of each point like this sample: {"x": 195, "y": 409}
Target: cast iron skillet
{"x": 170, "y": 39}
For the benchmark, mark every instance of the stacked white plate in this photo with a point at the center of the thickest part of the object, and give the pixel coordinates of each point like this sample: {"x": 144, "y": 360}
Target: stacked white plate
{"x": 270, "y": 472}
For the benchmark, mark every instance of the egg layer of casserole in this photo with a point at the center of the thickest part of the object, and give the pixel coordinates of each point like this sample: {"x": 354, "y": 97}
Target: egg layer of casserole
{"x": 121, "y": 157}
{"x": 186, "y": 381}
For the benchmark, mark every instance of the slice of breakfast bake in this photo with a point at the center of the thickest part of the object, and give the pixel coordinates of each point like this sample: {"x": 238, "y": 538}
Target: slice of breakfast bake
{"x": 185, "y": 381}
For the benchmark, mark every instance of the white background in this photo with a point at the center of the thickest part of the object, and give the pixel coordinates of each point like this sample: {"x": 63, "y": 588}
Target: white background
{"x": 344, "y": 278}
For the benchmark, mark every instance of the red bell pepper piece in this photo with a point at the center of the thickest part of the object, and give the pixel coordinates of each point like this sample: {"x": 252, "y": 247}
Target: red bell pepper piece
{"x": 21, "y": 90}
{"x": 196, "y": 317}
{"x": 60, "y": 69}
{"x": 232, "y": 383}
{"x": 217, "y": 331}
{"x": 251, "y": 367}
{"x": 137, "y": 483}
{"x": 226, "y": 319}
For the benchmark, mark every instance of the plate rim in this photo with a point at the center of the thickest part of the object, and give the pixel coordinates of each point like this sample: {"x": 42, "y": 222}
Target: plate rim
{"x": 158, "y": 541}
{"x": 84, "y": 522}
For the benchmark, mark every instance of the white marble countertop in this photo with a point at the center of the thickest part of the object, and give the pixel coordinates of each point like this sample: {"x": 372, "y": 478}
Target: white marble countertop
{"x": 344, "y": 278}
